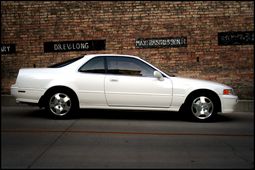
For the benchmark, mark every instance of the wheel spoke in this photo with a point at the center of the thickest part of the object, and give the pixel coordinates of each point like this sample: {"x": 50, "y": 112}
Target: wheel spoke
{"x": 57, "y": 109}
{"x": 66, "y": 107}
{"x": 202, "y": 112}
{"x": 66, "y": 99}
{"x": 57, "y": 96}
{"x": 202, "y": 99}
{"x": 52, "y": 104}
{"x": 196, "y": 106}
{"x": 209, "y": 105}
{"x": 197, "y": 113}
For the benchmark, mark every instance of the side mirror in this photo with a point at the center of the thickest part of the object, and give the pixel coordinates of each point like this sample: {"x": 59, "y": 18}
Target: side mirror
{"x": 158, "y": 75}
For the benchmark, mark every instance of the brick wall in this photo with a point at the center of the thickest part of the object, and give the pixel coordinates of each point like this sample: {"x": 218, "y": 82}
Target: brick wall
{"x": 30, "y": 24}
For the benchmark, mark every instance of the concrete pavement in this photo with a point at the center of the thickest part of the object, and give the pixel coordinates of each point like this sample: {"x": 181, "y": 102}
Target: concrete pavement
{"x": 124, "y": 139}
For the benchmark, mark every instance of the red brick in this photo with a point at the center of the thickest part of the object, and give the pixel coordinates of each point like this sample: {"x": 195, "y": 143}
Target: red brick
{"x": 29, "y": 24}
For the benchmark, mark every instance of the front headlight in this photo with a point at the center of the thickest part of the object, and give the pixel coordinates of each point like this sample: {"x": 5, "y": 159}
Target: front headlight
{"x": 228, "y": 92}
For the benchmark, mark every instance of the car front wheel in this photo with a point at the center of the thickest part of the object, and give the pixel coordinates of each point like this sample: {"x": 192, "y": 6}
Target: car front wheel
{"x": 202, "y": 107}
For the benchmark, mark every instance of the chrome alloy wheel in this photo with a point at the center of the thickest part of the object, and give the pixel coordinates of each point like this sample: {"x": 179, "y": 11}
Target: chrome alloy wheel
{"x": 60, "y": 104}
{"x": 202, "y": 107}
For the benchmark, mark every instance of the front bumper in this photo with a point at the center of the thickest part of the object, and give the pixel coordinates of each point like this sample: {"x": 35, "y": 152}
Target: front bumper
{"x": 228, "y": 103}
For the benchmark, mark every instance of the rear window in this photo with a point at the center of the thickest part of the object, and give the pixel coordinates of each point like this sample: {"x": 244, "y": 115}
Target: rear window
{"x": 65, "y": 63}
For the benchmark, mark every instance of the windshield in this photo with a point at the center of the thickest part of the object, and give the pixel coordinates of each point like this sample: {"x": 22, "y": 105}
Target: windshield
{"x": 65, "y": 63}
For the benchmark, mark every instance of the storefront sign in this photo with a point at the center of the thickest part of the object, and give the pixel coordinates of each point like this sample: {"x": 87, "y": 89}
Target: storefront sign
{"x": 236, "y": 38}
{"x": 8, "y": 48}
{"x": 65, "y": 46}
{"x": 161, "y": 42}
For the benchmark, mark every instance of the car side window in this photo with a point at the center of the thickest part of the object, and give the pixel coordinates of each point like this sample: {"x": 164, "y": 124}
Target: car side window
{"x": 95, "y": 65}
{"x": 128, "y": 66}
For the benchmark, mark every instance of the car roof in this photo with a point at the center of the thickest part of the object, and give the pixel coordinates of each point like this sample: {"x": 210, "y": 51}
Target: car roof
{"x": 112, "y": 55}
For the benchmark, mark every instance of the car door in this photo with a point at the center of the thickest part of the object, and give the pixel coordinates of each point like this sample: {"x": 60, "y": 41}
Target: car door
{"x": 90, "y": 83}
{"x": 130, "y": 83}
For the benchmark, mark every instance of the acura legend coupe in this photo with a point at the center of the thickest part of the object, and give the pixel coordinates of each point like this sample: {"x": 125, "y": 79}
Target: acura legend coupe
{"x": 111, "y": 81}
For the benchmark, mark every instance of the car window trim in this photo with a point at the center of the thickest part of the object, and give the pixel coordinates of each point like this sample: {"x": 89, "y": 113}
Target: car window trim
{"x": 105, "y": 72}
{"x": 125, "y": 74}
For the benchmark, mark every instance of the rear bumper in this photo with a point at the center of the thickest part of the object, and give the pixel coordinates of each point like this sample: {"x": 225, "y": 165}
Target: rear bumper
{"x": 26, "y": 95}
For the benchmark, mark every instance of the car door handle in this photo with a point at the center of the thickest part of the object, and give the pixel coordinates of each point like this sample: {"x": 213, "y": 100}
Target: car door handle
{"x": 114, "y": 80}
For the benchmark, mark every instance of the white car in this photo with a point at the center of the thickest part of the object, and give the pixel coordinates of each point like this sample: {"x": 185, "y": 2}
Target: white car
{"x": 111, "y": 81}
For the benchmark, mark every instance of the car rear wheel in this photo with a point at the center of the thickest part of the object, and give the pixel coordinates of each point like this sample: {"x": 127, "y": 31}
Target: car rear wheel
{"x": 60, "y": 104}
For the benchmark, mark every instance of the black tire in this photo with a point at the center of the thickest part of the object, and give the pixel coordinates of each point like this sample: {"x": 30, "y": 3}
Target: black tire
{"x": 202, "y": 107}
{"x": 61, "y": 104}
